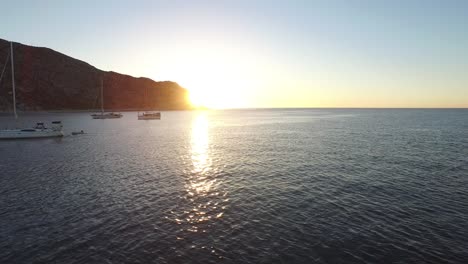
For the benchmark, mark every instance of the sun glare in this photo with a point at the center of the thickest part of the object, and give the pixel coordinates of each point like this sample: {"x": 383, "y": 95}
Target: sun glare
{"x": 216, "y": 86}
{"x": 215, "y": 96}
{"x": 215, "y": 77}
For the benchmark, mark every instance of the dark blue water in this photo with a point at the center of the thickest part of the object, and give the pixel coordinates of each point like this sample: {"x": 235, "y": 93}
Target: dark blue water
{"x": 250, "y": 186}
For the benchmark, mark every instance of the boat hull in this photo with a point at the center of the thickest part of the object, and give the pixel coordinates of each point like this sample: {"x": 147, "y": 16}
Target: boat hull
{"x": 106, "y": 116}
{"x": 149, "y": 117}
{"x": 29, "y": 133}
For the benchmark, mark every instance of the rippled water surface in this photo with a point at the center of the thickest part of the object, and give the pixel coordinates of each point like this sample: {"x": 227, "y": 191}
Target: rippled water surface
{"x": 239, "y": 186}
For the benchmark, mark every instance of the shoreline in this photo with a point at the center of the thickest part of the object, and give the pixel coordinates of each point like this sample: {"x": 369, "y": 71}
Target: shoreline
{"x": 3, "y": 112}
{"x": 92, "y": 111}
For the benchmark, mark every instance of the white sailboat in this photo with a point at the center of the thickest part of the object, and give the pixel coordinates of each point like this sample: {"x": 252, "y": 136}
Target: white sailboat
{"x": 103, "y": 115}
{"x": 148, "y": 115}
{"x": 38, "y": 131}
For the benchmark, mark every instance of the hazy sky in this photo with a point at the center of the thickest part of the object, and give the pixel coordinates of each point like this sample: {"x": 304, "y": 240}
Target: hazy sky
{"x": 266, "y": 53}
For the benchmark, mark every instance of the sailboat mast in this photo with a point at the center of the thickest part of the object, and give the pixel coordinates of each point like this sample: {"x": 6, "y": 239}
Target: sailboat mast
{"x": 102, "y": 96}
{"x": 13, "y": 79}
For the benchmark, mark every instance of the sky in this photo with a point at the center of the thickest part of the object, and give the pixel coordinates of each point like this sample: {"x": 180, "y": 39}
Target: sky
{"x": 348, "y": 53}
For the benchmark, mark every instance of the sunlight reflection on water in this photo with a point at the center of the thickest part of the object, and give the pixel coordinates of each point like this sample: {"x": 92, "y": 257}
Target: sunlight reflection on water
{"x": 200, "y": 141}
{"x": 205, "y": 200}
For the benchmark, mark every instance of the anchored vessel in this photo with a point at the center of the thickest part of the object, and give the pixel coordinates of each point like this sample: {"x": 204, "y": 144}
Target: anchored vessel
{"x": 147, "y": 115}
{"x": 106, "y": 115}
{"x": 103, "y": 115}
{"x": 38, "y": 131}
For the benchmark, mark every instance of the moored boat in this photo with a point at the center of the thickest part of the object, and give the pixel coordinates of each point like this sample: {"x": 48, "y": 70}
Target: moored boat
{"x": 78, "y": 133}
{"x": 106, "y": 115}
{"x": 39, "y": 131}
{"x": 103, "y": 115}
{"x": 149, "y": 116}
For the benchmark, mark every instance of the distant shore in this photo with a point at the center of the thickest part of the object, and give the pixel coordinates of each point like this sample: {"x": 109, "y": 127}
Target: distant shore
{"x": 3, "y": 112}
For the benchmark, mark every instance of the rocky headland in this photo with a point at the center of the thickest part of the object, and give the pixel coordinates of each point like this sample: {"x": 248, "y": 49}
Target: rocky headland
{"x": 48, "y": 80}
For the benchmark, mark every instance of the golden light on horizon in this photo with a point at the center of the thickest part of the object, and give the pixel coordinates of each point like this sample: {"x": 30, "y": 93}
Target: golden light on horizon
{"x": 210, "y": 97}
{"x": 216, "y": 84}
{"x": 216, "y": 76}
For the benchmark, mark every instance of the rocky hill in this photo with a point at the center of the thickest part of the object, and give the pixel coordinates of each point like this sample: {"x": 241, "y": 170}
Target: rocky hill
{"x": 48, "y": 80}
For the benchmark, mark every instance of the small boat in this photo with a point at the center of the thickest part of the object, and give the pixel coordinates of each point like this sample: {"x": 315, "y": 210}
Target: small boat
{"x": 103, "y": 115}
{"x": 106, "y": 115}
{"x": 39, "y": 131}
{"x": 78, "y": 133}
{"x": 149, "y": 116}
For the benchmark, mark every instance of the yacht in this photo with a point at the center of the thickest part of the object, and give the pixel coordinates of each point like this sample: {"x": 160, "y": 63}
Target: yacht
{"x": 38, "y": 131}
{"x": 149, "y": 115}
{"x": 103, "y": 115}
{"x": 106, "y": 115}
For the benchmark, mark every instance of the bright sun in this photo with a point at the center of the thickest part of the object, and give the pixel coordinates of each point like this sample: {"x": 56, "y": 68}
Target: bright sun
{"x": 217, "y": 94}
{"x": 216, "y": 86}
{"x": 215, "y": 78}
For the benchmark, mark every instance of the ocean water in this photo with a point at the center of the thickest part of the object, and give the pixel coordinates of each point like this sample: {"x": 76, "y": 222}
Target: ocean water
{"x": 239, "y": 186}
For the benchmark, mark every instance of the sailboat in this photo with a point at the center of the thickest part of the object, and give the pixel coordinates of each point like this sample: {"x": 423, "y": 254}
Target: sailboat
{"x": 39, "y": 130}
{"x": 103, "y": 115}
{"x": 148, "y": 115}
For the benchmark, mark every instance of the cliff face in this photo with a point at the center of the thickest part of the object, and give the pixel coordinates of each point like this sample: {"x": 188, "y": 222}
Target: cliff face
{"x": 48, "y": 80}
